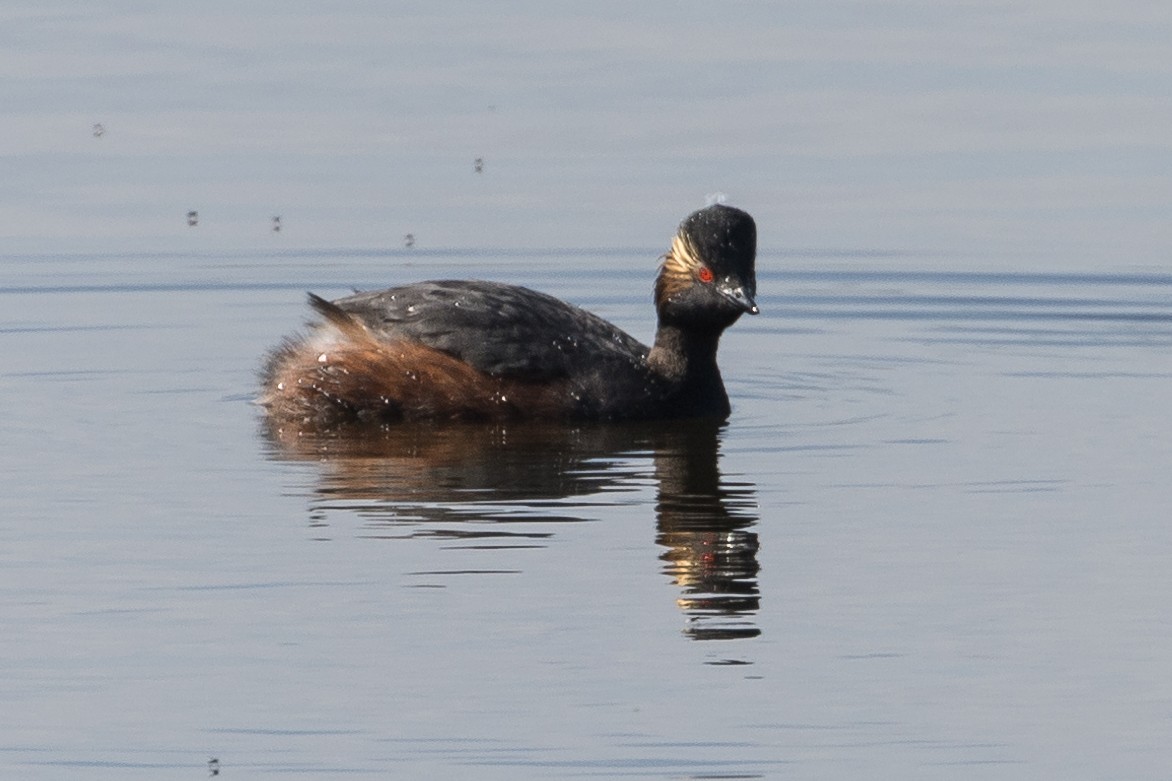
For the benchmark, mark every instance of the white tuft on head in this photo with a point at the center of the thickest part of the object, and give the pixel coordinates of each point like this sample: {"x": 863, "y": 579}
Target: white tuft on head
{"x": 714, "y": 198}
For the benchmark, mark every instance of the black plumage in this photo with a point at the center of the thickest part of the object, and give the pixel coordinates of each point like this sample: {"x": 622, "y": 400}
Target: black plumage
{"x": 499, "y": 329}
{"x": 460, "y": 349}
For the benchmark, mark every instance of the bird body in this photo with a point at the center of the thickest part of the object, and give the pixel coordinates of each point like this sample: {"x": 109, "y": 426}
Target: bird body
{"x": 470, "y": 349}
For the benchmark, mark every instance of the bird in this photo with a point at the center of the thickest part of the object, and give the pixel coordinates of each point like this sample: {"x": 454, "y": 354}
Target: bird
{"x": 193, "y": 218}
{"x": 482, "y": 350}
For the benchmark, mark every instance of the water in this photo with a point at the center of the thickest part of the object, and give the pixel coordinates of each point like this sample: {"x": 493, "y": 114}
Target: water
{"x": 930, "y": 541}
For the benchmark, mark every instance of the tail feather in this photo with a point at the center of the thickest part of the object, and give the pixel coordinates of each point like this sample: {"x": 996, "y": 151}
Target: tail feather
{"x": 344, "y": 321}
{"x": 342, "y": 372}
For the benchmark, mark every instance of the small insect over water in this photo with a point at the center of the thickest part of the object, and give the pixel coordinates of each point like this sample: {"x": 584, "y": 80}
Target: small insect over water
{"x": 213, "y": 767}
{"x": 99, "y": 131}
{"x": 409, "y": 240}
{"x": 478, "y": 165}
{"x": 193, "y": 219}
{"x": 277, "y": 224}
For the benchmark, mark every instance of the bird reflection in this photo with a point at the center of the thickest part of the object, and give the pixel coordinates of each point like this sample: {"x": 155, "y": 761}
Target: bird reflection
{"x": 412, "y": 477}
{"x": 508, "y": 485}
{"x": 704, "y": 524}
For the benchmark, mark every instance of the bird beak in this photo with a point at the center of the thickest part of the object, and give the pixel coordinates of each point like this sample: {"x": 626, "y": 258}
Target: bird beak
{"x": 739, "y": 296}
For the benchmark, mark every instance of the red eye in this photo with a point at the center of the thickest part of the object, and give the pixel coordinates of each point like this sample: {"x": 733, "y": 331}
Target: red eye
{"x": 705, "y": 274}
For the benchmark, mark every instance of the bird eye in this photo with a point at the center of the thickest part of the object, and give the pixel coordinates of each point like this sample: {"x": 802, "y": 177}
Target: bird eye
{"x": 705, "y": 274}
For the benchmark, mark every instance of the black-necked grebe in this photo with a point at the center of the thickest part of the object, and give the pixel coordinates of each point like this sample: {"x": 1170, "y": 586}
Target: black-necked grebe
{"x": 472, "y": 350}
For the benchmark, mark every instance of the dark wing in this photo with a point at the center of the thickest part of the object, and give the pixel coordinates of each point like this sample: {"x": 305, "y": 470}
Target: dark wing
{"x": 500, "y": 329}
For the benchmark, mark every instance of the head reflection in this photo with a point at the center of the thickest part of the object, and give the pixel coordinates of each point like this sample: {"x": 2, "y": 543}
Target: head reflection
{"x": 704, "y": 526}
{"x": 506, "y": 485}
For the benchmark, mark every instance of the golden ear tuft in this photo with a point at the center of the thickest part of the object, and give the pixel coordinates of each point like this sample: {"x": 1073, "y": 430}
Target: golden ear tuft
{"x": 683, "y": 253}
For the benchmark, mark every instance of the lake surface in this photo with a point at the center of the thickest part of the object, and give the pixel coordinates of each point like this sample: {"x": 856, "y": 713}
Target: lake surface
{"x": 931, "y": 541}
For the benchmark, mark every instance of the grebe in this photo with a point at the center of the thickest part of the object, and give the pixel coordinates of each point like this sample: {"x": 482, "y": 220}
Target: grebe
{"x": 474, "y": 350}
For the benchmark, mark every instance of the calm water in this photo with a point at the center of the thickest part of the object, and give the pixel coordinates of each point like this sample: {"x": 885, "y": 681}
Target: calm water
{"x": 932, "y": 540}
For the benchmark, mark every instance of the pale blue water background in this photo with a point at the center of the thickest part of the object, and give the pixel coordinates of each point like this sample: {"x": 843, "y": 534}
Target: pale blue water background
{"x": 931, "y": 542}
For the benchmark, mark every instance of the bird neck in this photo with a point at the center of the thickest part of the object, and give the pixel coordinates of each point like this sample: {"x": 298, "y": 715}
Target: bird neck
{"x": 685, "y": 356}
